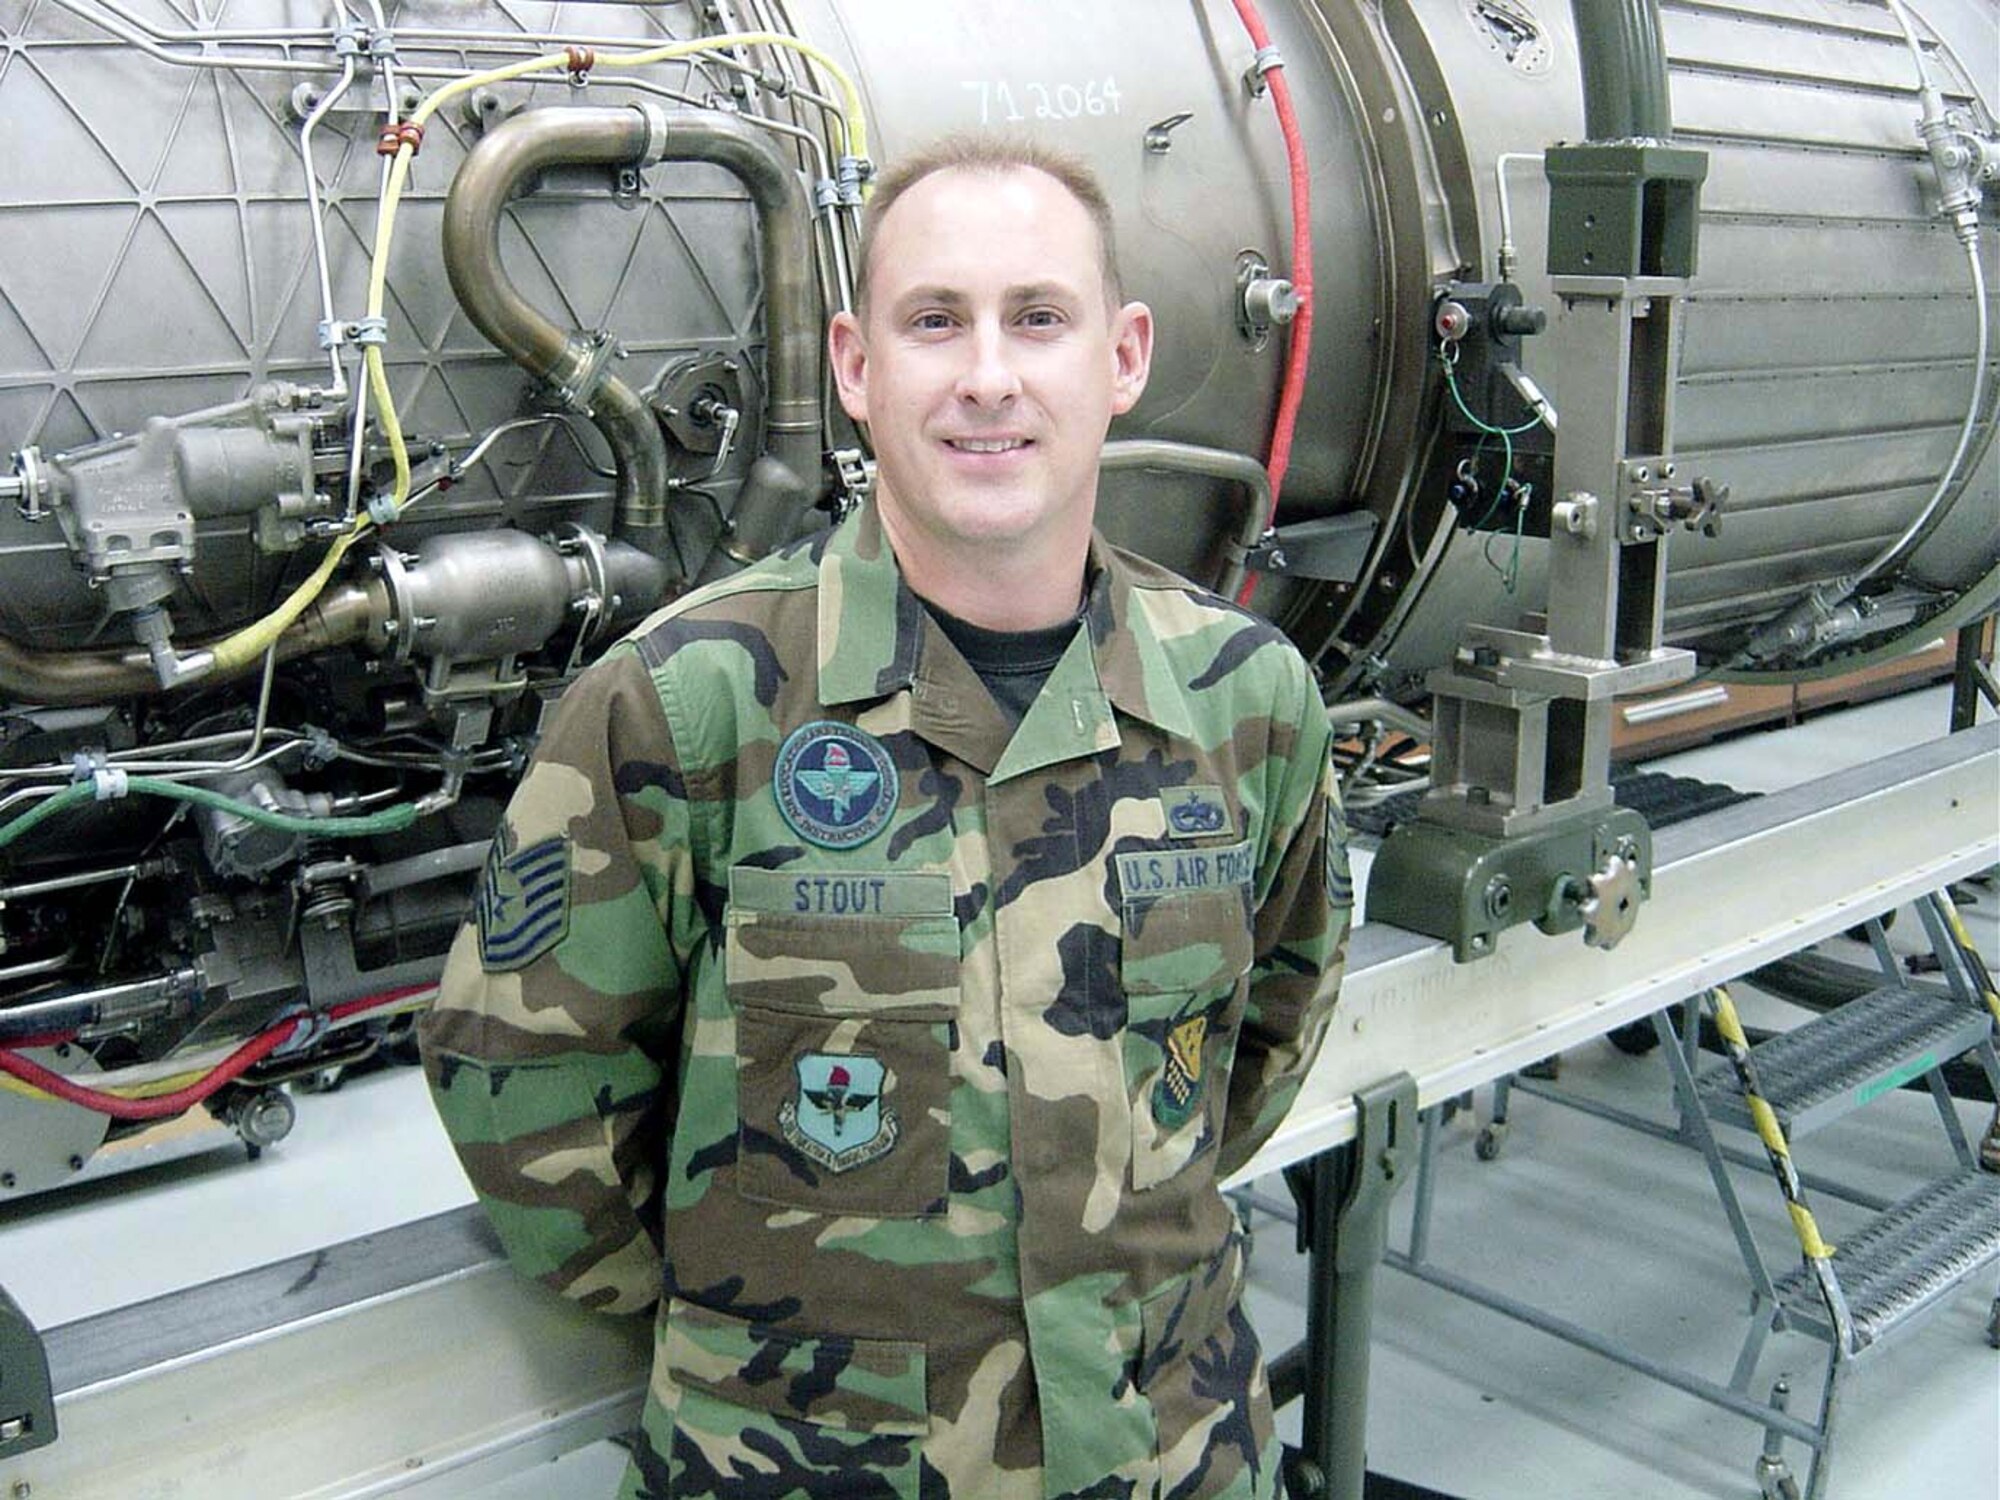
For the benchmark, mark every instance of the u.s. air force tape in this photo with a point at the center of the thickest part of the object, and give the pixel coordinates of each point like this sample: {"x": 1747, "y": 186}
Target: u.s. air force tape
{"x": 522, "y": 908}
{"x": 1167, "y": 872}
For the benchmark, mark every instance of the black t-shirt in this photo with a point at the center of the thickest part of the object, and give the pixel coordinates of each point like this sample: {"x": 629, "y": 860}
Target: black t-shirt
{"x": 1012, "y": 663}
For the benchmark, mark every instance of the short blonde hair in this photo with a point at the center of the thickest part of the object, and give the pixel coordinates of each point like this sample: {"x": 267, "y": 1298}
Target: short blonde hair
{"x": 970, "y": 151}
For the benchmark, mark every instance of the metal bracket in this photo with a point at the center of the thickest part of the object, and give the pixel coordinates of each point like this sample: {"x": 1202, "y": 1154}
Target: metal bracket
{"x": 1332, "y": 549}
{"x": 1591, "y": 871}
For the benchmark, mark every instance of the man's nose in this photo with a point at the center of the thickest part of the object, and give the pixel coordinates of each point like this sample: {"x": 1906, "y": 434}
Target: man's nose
{"x": 989, "y": 377}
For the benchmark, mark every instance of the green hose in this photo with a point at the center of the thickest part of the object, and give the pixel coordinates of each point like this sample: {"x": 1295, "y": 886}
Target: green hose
{"x": 388, "y": 820}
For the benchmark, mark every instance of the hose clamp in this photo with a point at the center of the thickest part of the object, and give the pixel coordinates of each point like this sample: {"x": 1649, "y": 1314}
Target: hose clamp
{"x": 107, "y": 781}
{"x": 369, "y": 331}
{"x": 1264, "y": 60}
{"x": 347, "y": 40}
{"x": 308, "y": 1026}
{"x": 853, "y": 172}
{"x": 656, "y": 132}
{"x": 382, "y": 45}
{"x": 394, "y": 137}
{"x": 382, "y": 509}
{"x": 318, "y": 746}
{"x": 826, "y": 193}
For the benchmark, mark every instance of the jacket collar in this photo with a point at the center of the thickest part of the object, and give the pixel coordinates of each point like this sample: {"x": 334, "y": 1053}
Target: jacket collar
{"x": 874, "y": 634}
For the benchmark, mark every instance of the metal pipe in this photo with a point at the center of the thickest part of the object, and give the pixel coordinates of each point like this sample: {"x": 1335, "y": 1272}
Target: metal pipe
{"x": 338, "y": 390}
{"x": 1379, "y": 711}
{"x": 1252, "y": 482}
{"x": 641, "y": 135}
{"x": 113, "y": 1005}
{"x": 340, "y": 616}
{"x": 1624, "y": 66}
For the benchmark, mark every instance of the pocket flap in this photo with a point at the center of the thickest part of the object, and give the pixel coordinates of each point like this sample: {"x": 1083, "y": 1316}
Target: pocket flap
{"x": 1193, "y": 941}
{"x": 830, "y": 1380}
{"x": 860, "y": 943}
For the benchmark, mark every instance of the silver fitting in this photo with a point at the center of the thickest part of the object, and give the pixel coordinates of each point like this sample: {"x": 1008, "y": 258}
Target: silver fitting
{"x": 587, "y": 355}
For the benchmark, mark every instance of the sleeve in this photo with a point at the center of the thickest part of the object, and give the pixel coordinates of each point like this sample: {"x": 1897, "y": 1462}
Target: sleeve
{"x": 551, "y": 1049}
{"x": 1304, "y": 898}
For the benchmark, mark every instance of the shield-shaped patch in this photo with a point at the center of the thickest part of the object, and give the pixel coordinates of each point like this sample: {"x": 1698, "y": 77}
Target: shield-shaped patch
{"x": 836, "y": 1117}
{"x": 1179, "y": 1088}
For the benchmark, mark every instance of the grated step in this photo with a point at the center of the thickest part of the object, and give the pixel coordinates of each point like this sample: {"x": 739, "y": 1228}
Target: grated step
{"x": 1904, "y": 1259}
{"x": 1837, "y": 1062}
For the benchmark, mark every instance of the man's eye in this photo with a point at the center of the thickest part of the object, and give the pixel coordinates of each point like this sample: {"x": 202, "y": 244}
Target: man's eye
{"x": 931, "y": 322}
{"x": 1041, "y": 317}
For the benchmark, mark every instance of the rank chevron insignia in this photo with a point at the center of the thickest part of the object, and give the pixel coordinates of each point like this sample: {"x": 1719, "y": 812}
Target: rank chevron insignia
{"x": 523, "y": 903}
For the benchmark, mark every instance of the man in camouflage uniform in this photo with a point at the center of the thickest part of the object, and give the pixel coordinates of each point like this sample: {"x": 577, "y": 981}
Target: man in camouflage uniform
{"x": 901, "y": 939}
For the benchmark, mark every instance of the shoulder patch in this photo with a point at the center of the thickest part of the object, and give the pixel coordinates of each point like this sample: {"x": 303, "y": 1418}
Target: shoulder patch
{"x": 1339, "y": 880}
{"x": 522, "y": 907}
{"x": 836, "y": 785}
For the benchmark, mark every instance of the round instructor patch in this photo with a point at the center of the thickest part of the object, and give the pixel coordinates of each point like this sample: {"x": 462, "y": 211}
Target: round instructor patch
{"x": 835, "y": 785}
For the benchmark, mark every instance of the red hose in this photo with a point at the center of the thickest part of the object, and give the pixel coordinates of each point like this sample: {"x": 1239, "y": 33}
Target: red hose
{"x": 161, "y": 1106}
{"x": 1292, "y": 392}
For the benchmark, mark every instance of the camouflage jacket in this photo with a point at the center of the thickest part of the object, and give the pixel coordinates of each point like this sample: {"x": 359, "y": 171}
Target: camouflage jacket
{"x": 919, "y": 1041}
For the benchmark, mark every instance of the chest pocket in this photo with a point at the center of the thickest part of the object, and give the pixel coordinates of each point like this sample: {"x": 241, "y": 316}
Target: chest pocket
{"x": 846, "y": 994}
{"x": 1186, "y": 946}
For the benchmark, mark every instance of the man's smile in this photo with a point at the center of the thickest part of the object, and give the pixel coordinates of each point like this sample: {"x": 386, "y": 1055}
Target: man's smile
{"x": 986, "y": 445}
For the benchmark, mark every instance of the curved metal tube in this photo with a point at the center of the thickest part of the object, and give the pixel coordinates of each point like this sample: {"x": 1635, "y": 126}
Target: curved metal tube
{"x": 1252, "y": 482}
{"x": 640, "y": 135}
{"x": 1624, "y": 67}
{"x": 340, "y": 617}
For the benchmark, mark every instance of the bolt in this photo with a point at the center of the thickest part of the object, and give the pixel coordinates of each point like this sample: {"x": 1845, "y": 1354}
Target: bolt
{"x": 6, "y": 1179}
{"x": 76, "y": 1164}
{"x": 1499, "y": 897}
{"x": 1278, "y": 563}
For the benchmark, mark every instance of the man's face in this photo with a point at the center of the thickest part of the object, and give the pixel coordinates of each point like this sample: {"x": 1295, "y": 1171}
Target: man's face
{"x": 989, "y": 366}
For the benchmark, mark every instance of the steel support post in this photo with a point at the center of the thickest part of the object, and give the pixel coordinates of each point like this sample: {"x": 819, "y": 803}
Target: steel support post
{"x": 1343, "y": 1197}
{"x": 1971, "y": 677}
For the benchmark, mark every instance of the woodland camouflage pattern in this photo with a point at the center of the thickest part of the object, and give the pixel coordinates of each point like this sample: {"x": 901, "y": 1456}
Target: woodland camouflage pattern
{"x": 1076, "y": 978}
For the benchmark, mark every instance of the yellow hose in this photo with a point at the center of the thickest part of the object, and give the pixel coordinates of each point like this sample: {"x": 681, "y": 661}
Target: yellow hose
{"x": 252, "y": 641}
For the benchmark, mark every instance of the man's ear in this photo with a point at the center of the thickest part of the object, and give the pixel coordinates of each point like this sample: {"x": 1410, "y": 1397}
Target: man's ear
{"x": 847, "y": 350}
{"x": 1131, "y": 355}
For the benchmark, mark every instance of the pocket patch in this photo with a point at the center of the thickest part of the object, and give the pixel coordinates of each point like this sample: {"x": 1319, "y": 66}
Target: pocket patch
{"x": 836, "y": 1118}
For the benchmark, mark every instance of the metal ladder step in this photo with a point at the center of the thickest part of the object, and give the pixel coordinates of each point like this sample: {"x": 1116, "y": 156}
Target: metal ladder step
{"x": 1904, "y": 1259}
{"x": 1837, "y": 1062}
